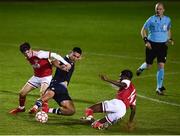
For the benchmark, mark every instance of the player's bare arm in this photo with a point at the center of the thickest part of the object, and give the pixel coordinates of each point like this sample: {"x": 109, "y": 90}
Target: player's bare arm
{"x": 115, "y": 82}
{"x": 130, "y": 123}
{"x": 171, "y": 41}
{"x": 54, "y": 56}
{"x": 144, "y": 36}
{"x": 133, "y": 111}
{"x": 57, "y": 63}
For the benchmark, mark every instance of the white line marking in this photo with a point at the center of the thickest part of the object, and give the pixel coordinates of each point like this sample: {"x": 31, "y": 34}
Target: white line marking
{"x": 158, "y": 101}
{"x": 115, "y": 55}
{"x": 127, "y": 57}
{"x": 98, "y": 54}
{"x": 149, "y": 98}
{"x": 146, "y": 76}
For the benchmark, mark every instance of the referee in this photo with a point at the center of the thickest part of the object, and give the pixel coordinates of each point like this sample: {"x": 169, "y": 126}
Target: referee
{"x": 156, "y": 33}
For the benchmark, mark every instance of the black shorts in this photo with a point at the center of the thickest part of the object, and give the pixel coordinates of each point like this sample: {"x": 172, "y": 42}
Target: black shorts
{"x": 61, "y": 92}
{"x": 159, "y": 51}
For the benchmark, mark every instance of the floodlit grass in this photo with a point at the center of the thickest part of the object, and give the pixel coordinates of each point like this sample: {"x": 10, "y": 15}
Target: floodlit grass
{"x": 109, "y": 34}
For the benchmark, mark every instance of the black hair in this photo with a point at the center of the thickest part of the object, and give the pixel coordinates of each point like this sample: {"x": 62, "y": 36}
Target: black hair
{"x": 77, "y": 49}
{"x": 127, "y": 73}
{"x": 24, "y": 47}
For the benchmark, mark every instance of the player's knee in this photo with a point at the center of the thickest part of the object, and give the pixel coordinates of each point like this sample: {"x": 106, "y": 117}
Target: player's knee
{"x": 72, "y": 111}
{"x": 22, "y": 94}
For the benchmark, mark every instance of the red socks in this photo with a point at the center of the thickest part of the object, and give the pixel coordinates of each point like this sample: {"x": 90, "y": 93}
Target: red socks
{"x": 22, "y": 101}
{"x": 89, "y": 112}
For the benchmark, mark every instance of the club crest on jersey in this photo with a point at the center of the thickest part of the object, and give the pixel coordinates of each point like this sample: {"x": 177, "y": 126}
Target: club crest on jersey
{"x": 36, "y": 64}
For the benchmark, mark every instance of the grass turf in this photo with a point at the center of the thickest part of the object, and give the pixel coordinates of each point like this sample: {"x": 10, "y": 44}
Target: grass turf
{"x": 109, "y": 34}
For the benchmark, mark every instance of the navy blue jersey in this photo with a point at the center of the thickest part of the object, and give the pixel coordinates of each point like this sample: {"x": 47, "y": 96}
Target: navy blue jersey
{"x": 61, "y": 76}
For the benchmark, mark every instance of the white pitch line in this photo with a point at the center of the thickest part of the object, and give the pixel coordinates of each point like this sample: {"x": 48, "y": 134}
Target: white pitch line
{"x": 146, "y": 76}
{"x": 99, "y": 54}
{"x": 115, "y": 55}
{"x": 158, "y": 101}
{"x": 127, "y": 57}
{"x": 152, "y": 99}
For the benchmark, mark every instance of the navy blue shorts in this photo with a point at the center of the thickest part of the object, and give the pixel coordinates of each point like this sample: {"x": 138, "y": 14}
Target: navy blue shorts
{"x": 61, "y": 92}
{"x": 159, "y": 51}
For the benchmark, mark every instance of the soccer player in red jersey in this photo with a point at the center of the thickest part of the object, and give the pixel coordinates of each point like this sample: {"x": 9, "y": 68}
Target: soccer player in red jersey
{"x": 41, "y": 64}
{"x": 58, "y": 89}
{"x": 116, "y": 108}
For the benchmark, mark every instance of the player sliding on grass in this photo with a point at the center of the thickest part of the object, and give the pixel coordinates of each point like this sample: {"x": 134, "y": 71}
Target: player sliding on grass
{"x": 58, "y": 89}
{"x": 115, "y": 109}
{"x": 40, "y": 61}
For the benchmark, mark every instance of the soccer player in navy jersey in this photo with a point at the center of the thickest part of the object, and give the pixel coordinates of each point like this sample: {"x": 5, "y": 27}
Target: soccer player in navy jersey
{"x": 58, "y": 88}
{"x": 40, "y": 62}
{"x": 156, "y": 34}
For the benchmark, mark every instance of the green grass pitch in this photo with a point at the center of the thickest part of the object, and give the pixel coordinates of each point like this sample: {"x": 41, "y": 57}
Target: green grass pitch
{"x": 109, "y": 34}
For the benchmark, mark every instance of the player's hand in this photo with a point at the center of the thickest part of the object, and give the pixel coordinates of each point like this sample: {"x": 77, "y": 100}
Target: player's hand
{"x": 64, "y": 68}
{"x": 148, "y": 45}
{"x": 68, "y": 66}
{"x": 103, "y": 77}
{"x": 130, "y": 126}
{"x": 171, "y": 41}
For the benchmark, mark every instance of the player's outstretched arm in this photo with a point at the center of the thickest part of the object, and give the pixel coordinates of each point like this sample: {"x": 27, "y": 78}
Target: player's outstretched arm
{"x": 55, "y": 56}
{"x": 115, "y": 82}
{"x": 131, "y": 124}
{"x": 133, "y": 112}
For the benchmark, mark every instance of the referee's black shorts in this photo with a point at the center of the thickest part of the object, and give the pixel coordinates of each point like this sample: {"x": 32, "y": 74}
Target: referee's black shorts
{"x": 61, "y": 92}
{"x": 159, "y": 51}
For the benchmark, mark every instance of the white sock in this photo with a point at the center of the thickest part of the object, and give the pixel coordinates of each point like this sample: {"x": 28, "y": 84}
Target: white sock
{"x": 50, "y": 110}
{"x": 143, "y": 66}
{"x": 21, "y": 107}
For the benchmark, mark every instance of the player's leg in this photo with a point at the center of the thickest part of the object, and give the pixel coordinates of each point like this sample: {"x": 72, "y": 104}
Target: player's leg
{"x": 49, "y": 94}
{"x": 45, "y": 82}
{"x": 89, "y": 112}
{"x": 150, "y": 55}
{"x": 66, "y": 108}
{"x": 22, "y": 98}
{"x": 161, "y": 59}
{"x": 43, "y": 88}
{"x": 114, "y": 109}
{"x": 63, "y": 99}
{"x": 160, "y": 79}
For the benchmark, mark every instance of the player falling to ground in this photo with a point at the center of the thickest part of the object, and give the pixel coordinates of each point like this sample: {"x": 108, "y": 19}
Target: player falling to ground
{"x": 40, "y": 62}
{"x": 58, "y": 88}
{"x": 116, "y": 108}
{"x": 156, "y": 33}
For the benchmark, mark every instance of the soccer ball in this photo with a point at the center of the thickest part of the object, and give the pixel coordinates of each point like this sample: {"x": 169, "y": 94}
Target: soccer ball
{"x": 41, "y": 116}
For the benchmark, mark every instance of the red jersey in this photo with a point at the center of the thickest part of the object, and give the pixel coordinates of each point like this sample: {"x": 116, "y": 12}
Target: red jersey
{"x": 128, "y": 94}
{"x": 40, "y": 63}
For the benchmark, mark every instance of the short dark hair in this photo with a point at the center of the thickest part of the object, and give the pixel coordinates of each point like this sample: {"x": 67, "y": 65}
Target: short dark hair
{"x": 24, "y": 47}
{"x": 77, "y": 49}
{"x": 127, "y": 73}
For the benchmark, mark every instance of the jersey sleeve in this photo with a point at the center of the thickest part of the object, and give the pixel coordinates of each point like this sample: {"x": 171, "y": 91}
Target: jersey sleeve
{"x": 127, "y": 82}
{"x": 43, "y": 54}
{"x": 169, "y": 24}
{"x": 133, "y": 103}
{"x": 132, "y": 98}
{"x": 55, "y": 56}
{"x": 147, "y": 23}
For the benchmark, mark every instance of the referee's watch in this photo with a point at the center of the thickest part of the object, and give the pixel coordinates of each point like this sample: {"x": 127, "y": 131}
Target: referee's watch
{"x": 145, "y": 40}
